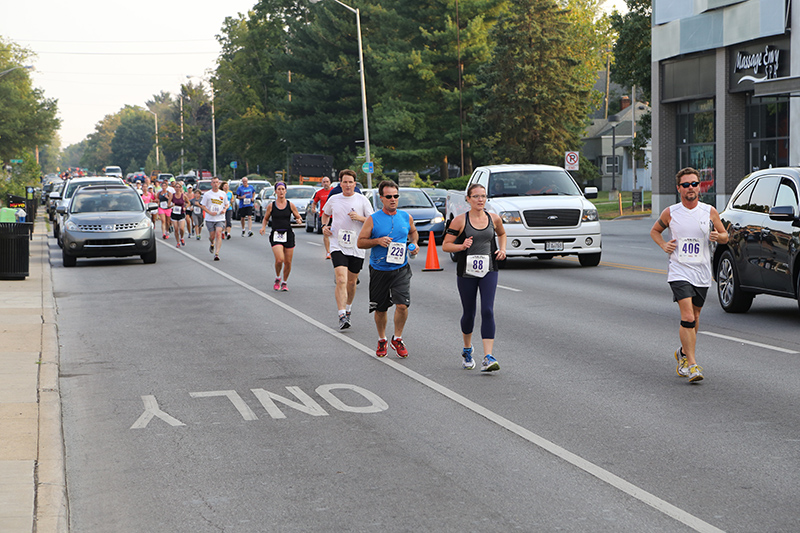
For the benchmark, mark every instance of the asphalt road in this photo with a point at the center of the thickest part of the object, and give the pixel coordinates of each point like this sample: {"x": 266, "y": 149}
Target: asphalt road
{"x": 197, "y": 399}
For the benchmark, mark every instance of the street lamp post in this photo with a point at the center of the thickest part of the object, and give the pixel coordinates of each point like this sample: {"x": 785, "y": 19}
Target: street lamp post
{"x": 613, "y": 119}
{"x": 155, "y": 118}
{"x": 363, "y": 84}
{"x": 213, "y": 124}
{"x": 26, "y": 67}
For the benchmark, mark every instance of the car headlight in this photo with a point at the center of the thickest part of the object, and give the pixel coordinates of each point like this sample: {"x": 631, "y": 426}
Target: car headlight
{"x": 437, "y": 220}
{"x": 510, "y": 217}
{"x": 589, "y": 215}
{"x": 70, "y": 225}
{"x": 144, "y": 224}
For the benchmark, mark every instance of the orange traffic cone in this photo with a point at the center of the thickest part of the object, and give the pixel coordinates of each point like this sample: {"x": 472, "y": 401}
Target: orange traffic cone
{"x": 432, "y": 261}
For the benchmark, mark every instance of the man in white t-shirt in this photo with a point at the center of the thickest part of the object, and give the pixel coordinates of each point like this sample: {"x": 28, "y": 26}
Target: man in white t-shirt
{"x": 342, "y": 218}
{"x": 214, "y": 204}
{"x": 692, "y": 225}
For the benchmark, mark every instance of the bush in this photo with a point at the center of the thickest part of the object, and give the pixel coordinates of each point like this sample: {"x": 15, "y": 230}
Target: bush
{"x": 454, "y": 183}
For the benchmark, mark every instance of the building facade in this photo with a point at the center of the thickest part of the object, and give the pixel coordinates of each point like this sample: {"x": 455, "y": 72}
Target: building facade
{"x": 722, "y": 75}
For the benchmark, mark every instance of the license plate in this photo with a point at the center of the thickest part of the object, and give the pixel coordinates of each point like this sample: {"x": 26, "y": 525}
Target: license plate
{"x": 554, "y": 246}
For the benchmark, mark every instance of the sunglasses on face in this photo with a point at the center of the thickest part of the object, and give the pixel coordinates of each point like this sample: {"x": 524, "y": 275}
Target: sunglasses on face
{"x": 690, "y": 184}
{"x": 390, "y": 196}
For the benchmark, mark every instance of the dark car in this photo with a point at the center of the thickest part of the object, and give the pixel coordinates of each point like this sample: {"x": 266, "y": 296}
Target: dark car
{"x": 421, "y": 208}
{"x": 439, "y": 197}
{"x": 107, "y": 221}
{"x": 761, "y": 256}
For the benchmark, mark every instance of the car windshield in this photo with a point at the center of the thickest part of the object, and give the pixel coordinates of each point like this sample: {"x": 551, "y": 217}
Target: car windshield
{"x": 258, "y": 186}
{"x": 73, "y": 186}
{"x": 105, "y": 201}
{"x": 299, "y": 193}
{"x": 413, "y": 198}
{"x": 532, "y": 183}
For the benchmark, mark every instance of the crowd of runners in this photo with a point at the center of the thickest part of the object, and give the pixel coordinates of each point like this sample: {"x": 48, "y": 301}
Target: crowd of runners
{"x": 477, "y": 238}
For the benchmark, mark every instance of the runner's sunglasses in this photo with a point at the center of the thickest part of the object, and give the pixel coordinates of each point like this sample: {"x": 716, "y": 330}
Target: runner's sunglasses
{"x": 690, "y": 184}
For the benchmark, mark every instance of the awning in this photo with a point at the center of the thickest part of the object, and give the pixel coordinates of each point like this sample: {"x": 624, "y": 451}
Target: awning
{"x": 777, "y": 86}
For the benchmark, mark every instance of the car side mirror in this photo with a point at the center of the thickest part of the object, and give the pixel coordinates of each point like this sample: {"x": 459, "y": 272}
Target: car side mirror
{"x": 61, "y": 210}
{"x": 782, "y": 213}
{"x": 152, "y": 206}
{"x": 590, "y": 192}
{"x": 55, "y": 196}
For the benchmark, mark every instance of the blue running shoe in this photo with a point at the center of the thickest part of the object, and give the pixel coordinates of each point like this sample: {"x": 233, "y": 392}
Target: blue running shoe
{"x": 490, "y": 364}
{"x": 469, "y": 362}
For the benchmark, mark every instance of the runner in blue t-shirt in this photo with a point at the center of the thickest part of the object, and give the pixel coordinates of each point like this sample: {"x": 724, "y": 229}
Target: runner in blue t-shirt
{"x": 392, "y": 236}
{"x": 245, "y": 194}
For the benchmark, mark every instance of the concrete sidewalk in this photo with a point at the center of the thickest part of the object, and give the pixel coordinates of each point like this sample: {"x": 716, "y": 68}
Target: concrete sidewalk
{"x": 32, "y": 482}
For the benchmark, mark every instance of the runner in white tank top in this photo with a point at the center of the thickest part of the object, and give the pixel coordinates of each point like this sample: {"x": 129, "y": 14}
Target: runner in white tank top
{"x": 692, "y": 226}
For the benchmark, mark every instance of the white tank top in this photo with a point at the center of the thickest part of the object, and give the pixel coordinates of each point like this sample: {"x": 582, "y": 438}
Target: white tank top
{"x": 691, "y": 260}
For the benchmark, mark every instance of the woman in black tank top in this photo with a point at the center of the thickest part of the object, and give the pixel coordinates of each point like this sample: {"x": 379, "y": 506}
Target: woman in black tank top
{"x": 471, "y": 236}
{"x": 281, "y": 238}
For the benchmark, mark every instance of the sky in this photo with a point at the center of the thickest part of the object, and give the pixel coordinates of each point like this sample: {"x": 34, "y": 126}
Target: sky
{"x": 96, "y": 56}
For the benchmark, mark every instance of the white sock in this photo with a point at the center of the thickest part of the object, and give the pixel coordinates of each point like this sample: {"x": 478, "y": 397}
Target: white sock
{"x": 348, "y": 308}
{"x": 342, "y": 312}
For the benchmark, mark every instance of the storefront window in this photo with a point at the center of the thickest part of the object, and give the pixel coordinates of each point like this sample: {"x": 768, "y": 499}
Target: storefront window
{"x": 767, "y": 127}
{"x": 696, "y": 143}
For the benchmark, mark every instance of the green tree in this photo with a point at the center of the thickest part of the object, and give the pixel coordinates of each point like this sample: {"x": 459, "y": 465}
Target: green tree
{"x": 97, "y": 152}
{"x": 632, "y": 66}
{"x": 133, "y": 139}
{"x": 536, "y": 88}
{"x": 416, "y": 57}
{"x": 249, "y": 84}
{"x": 27, "y": 118}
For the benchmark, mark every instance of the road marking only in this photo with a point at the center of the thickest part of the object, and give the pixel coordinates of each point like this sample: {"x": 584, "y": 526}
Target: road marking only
{"x": 751, "y": 343}
{"x": 590, "y": 468}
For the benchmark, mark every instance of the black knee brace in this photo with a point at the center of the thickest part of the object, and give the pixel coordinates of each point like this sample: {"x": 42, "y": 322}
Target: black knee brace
{"x": 688, "y": 325}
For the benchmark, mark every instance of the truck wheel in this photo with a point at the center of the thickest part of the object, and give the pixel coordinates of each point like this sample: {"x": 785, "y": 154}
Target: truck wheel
{"x": 590, "y": 260}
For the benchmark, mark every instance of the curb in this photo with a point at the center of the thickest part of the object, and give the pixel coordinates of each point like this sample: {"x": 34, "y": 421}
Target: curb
{"x": 50, "y": 512}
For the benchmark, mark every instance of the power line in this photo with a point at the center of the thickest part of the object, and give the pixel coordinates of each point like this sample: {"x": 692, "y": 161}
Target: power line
{"x": 117, "y": 42}
{"x": 127, "y": 53}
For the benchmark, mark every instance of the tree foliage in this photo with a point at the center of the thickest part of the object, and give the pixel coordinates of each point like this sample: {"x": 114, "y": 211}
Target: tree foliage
{"x": 537, "y": 89}
{"x": 27, "y": 117}
{"x": 632, "y": 65}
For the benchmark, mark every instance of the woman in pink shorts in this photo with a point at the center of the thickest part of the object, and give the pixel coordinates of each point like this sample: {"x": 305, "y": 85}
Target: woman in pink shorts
{"x": 162, "y": 197}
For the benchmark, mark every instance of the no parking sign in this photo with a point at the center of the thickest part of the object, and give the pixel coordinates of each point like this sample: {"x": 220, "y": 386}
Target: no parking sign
{"x": 571, "y": 161}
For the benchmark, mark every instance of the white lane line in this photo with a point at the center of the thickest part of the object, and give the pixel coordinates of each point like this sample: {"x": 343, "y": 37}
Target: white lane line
{"x": 508, "y": 288}
{"x": 313, "y": 243}
{"x": 751, "y": 343}
{"x": 600, "y": 473}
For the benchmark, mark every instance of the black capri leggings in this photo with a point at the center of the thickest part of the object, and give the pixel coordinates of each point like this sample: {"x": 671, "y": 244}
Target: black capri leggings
{"x": 468, "y": 290}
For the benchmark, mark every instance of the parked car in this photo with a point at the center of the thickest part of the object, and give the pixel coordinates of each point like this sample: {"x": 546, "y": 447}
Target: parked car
{"x": 421, "y": 208}
{"x": 761, "y": 255}
{"x": 299, "y": 195}
{"x": 263, "y": 199}
{"x": 107, "y": 220}
{"x": 439, "y": 197}
{"x": 63, "y": 198}
{"x": 52, "y": 199}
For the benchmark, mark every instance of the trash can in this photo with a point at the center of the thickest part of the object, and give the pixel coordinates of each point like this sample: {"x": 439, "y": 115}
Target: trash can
{"x": 15, "y": 249}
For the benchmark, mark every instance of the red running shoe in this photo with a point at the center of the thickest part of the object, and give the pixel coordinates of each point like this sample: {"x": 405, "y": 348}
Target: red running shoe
{"x": 399, "y": 347}
{"x": 381, "y": 351}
